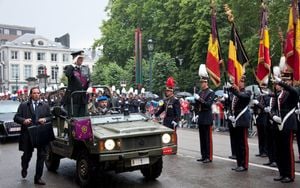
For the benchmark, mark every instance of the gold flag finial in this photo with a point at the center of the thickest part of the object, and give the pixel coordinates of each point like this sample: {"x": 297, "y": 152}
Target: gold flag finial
{"x": 229, "y": 14}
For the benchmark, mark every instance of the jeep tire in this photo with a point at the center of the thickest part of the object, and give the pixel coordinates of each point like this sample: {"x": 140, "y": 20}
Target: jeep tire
{"x": 84, "y": 169}
{"x": 52, "y": 160}
{"x": 153, "y": 171}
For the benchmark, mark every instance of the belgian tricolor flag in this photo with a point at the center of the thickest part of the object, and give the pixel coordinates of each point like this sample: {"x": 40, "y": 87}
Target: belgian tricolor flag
{"x": 237, "y": 57}
{"x": 213, "y": 52}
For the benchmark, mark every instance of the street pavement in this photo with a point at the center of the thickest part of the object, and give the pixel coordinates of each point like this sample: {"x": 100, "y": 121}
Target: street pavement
{"x": 180, "y": 171}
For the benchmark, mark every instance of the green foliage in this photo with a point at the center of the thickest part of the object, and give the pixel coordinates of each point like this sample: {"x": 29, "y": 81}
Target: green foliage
{"x": 179, "y": 28}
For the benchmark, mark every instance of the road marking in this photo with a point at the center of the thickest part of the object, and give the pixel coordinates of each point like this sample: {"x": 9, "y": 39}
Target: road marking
{"x": 232, "y": 160}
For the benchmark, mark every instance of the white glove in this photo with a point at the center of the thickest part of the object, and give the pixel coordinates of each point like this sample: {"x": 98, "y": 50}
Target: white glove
{"x": 196, "y": 96}
{"x": 277, "y": 119}
{"x": 195, "y": 118}
{"x": 254, "y": 101}
{"x": 267, "y": 109}
{"x": 276, "y": 79}
{"x": 225, "y": 95}
{"x": 227, "y": 85}
{"x": 232, "y": 119}
{"x": 174, "y": 124}
{"x": 297, "y": 111}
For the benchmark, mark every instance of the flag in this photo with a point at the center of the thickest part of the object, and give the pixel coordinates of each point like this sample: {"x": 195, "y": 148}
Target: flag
{"x": 138, "y": 57}
{"x": 237, "y": 57}
{"x": 292, "y": 42}
{"x": 264, "y": 60}
{"x": 213, "y": 53}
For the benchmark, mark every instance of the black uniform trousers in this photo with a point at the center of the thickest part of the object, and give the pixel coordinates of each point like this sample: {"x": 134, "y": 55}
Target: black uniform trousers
{"x": 271, "y": 141}
{"x": 240, "y": 137}
{"x": 261, "y": 135}
{"x": 285, "y": 153}
{"x": 206, "y": 148}
{"x": 231, "y": 136}
{"x": 298, "y": 138}
{"x": 27, "y": 154}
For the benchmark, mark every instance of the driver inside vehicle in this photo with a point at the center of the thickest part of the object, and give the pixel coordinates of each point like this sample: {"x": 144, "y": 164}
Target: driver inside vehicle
{"x": 103, "y": 106}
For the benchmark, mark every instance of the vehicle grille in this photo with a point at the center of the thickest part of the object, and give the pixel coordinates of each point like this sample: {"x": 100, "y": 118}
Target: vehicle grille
{"x": 12, "y": 127}
{"x": 142, "y": 142}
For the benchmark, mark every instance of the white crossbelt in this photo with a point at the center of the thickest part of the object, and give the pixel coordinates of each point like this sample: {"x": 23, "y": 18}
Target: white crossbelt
{"x": 280, "y": 126}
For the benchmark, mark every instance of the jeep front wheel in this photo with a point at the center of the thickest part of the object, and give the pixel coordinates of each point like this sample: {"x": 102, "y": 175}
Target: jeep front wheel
{"x": 84, "y": 169}
{"x": 153, "y": 171}
{"x": 52, "y": 160}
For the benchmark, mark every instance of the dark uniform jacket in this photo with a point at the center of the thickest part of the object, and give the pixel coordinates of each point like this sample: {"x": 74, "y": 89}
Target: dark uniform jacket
{"x": 203, "y": 108}
{"x": 262, "y": 116}
{"x": 286, "y": 101}
{"x": 240, "y": 101}
{"x": 171, "y": 107}
{"x": 26, "y": 111}
{"x": 78, "y": 80}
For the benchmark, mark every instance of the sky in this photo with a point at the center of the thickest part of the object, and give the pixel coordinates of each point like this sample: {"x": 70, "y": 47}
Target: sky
{"x": 54, "y": 18}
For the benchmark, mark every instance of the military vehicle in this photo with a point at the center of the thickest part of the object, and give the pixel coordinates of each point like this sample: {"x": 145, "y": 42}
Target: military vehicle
{"x": 119, "y": 141}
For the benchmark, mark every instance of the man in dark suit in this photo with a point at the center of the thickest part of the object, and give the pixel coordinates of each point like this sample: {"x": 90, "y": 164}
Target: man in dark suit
{"x": 32, "y": 112}
{"x": 283, "y": 114}
{"x": 203, "y": 103}
{"x": 78, "y": 80}
{"x": 240, "y": 119}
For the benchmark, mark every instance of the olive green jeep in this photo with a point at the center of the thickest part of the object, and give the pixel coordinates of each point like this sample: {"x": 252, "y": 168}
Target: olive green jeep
{"x": 117, "y": 142}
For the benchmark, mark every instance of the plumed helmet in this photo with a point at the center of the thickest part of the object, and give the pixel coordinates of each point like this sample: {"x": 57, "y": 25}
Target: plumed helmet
{"x": 170, "y": 84}
{"x": 203, "y": 73}
{"x": 284, "y": 71}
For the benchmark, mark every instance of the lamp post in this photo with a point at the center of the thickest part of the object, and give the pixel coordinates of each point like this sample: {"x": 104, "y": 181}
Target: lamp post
{"x": 56, "y": 72}
{"x": 17, "y": 77}
{"x": 150, "y": 47}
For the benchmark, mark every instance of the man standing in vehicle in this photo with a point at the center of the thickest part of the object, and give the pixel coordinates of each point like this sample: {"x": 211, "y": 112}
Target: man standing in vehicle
{"x": 78, "y": 81}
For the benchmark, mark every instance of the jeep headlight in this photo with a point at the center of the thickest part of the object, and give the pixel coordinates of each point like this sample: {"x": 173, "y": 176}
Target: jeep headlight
{"x": 166, "y": 138}
{"x": 109, "y": 144}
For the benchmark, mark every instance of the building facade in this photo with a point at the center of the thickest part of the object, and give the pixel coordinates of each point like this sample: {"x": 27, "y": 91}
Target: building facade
{"x": 11, "y": 32}
{"x": 33, "y": 57}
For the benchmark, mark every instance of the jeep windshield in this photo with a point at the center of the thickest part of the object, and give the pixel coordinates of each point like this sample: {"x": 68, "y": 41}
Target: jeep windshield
{"x": 117, "y": 118}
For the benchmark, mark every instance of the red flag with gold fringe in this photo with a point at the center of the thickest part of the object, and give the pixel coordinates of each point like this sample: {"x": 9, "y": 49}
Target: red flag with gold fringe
{"x": 292, "y": 42}
{"x": 264, "y": 60}
{"x": 213, "y": 52}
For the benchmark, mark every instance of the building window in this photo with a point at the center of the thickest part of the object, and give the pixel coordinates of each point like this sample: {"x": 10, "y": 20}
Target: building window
{"x": 40, "y": 56}
{"x": 65, "y": 57}
{"x": 27, "y": 71}
{"x": 0, "y": 56}
{"x": 14, "y": 54}
{"x": 53, "y": 57}
{"x": 27, "y": 55}
{"x": 42, "y": 70}
{"x": 19, "y": 32}
{"x": 6, "y": 31}
{"x": 15, "y": 72}
{"x": 1, "y": 31}
{"x": 54, "y": 73}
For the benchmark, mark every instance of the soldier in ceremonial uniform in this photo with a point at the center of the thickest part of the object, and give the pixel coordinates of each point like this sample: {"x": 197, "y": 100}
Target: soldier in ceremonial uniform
{"x": 203, "y": 103}
{"x": 240, "y": 119}
{"x": 78, "y": 80}
{"x": 261, "y": 118}
{"x": 283, "y": 114}
{"x": 170, "y": 106}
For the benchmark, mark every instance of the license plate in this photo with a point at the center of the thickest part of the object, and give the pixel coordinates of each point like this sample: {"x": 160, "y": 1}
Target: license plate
{"x": 14, "y": 129}
{"x": 140, "y": 161}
